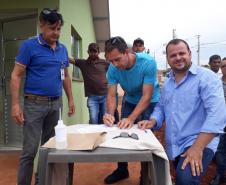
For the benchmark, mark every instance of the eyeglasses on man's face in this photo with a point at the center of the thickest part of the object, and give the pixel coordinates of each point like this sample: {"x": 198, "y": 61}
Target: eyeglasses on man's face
{"x": 127, "y": 135}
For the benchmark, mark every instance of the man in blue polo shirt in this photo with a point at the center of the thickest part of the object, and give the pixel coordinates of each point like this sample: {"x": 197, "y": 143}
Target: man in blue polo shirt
{"x": 45, "y": 62}
{"x": 136, "y": 73}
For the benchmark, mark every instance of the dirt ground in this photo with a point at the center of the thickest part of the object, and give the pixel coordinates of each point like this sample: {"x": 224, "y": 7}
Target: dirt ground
{"x": 88, "y": 173}
{"x": 210, "y": 171}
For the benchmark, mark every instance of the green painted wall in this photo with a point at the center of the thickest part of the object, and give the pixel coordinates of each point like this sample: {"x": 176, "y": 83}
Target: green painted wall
{"x": 78, "y": 14}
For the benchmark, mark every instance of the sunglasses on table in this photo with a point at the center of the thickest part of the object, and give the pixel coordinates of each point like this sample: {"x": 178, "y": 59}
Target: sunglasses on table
{"x": 127, "y": 135}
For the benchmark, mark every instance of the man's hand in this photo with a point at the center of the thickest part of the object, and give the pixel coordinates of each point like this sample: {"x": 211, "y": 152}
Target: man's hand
{"x": 71, "y": 60}
{"x": 17, "y": 114}
{"x": 193, "y": 156}
{"x": 71, "y": 107}
{"x": 146, "y": 124}
{"x": 125, "y": 123}
{"x": 108, "y": 119}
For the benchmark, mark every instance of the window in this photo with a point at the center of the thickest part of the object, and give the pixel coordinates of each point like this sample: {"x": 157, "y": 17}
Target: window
{"x": 76, "y": 53}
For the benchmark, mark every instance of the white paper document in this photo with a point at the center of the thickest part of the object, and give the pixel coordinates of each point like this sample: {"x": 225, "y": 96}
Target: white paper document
{"x": 86, "y": 128}
{"x": 96, "y": 128}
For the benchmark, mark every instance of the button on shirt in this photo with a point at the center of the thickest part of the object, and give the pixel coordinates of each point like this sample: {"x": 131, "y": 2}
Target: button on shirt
{"x": 43, "y": 65}
{"x": 194, "y": 105}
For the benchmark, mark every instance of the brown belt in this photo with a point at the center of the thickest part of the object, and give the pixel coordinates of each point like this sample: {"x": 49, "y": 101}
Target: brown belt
{"x": 43, "y": 98}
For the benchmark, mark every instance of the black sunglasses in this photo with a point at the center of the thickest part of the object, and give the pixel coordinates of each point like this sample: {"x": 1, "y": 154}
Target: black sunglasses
{"x": 49, "y": 11}
{"x": 127, "y": 135}
{"x": 113, "y": 41}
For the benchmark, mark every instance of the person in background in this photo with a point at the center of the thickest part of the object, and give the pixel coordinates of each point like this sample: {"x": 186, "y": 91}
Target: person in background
{"x": 44, "y": 60}
{"x": 138, "y": 45}
{"x": 220, "y": 155}
{"x": 95, "y": 83}
{"x": 214, "y": 63}
{"x": 192, "y": 106}
{"x": 141, "y": 93}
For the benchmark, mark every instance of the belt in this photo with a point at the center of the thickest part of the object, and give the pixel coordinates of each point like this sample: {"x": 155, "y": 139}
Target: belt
{"x": 43, "y": 98}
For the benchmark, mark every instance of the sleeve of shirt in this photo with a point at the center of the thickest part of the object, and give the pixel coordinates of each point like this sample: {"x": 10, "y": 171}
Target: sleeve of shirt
{"x": 78, "y": 63}
{"x": 67, "y": 59}
{"x": 214, "y": 103}
{"x": 111, "y": 77}
{"x": 158, "y": 113}
{"x": 150, "y": 72}
{"x": 24, "y": 56}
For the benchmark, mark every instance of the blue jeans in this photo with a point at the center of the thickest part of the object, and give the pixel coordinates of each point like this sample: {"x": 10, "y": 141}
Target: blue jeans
{"x": 97, "y": 108}
{"x": 127, "y": 109}
{"x": 184, "y": 177}
{"x": 221, "y": 155}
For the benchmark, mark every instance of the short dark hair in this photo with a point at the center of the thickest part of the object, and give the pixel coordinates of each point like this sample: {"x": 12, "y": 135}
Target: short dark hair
{"x": 214, "y": 57}
{"x": 93, "y": 47}
{"x": 224, "y": 58}
{"x": 175, "y": 42}
{"x": 138, "y": 41}
{"x": 50, "y": 16}
{"x": 115, "y": 43}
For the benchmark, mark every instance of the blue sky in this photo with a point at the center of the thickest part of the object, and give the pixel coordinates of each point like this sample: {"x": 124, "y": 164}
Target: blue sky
{"x": 154, "y": 21}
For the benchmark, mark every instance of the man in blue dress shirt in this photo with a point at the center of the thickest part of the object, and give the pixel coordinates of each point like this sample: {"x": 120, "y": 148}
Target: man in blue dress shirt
{"x": 192, "y": 105}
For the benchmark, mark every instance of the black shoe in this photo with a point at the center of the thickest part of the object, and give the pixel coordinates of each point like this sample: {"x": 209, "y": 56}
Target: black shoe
{"x": 218, "y": 179}
{"x": 116, "y": 176}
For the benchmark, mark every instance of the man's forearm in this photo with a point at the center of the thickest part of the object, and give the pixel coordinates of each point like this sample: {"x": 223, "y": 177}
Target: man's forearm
{"x": 111, "y": 104}
{"x": 14, "y": 88}
{"x": 67, "y": 88}
{"x": 203, "y": 140}
{"x": 141, "y": 106}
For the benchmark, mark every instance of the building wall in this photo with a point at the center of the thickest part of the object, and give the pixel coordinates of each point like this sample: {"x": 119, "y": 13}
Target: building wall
{"x": 76, "y": 13}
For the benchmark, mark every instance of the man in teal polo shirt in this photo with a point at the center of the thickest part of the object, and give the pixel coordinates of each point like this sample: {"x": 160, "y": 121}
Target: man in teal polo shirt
{"x": 45, "y": 62}
{"x": 136, "y": 73}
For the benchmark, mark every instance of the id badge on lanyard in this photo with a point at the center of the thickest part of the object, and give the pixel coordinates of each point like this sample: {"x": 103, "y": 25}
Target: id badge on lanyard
{"x": 62, "y": 71}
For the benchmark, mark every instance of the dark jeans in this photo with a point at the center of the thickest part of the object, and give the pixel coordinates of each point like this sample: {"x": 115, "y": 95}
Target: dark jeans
{"x": 40, "y": 118}
{"x": 127, "y": 109}
{"x": 221, "y": 156}
{"x": 184, "y": 177}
